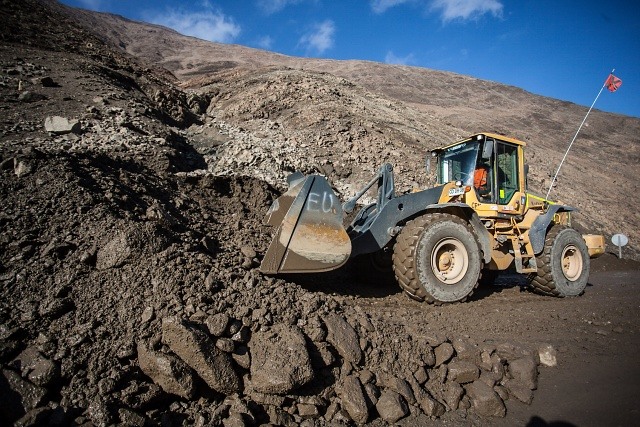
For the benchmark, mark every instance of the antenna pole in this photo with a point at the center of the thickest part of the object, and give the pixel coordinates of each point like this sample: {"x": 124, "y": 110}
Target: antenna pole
{"x": 574, "y": 138}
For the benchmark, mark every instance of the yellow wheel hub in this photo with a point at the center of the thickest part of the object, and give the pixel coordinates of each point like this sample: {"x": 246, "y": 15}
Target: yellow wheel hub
{"x": 571, "y": 263}
{"x": 449, "y": 261}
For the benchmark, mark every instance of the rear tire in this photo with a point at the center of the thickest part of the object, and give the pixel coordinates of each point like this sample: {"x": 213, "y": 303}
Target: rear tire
{"x": 563, "y": 265}
{"x": 488, "y": 277}
{"x": 376, "y": 267}
{"x": 437, "y": 259}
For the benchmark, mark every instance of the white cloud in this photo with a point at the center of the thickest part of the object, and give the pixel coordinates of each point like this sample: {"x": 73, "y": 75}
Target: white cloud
{"x": 265, "y": 42}
{"x": 207, "y": 25}
{"x": 466, "y": 9}
{"x": 381, "y": 6}
{"x": 320, "y": 37}
{"x": 391, "y": 58}
{"x": 273, "y": 6}
{"x": 449, "y": 9}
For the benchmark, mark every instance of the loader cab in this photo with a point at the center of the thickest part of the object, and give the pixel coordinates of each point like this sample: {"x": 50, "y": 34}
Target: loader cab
{"x": 490, "y": 167}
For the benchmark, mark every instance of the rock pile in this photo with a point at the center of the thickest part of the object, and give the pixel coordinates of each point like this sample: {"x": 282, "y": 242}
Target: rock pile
{"x": 272, "y": 369}
{"x": 338, "y": 130}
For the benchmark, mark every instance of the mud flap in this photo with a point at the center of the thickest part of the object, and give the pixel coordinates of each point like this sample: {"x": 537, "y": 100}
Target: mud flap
{"x": 310, "y": 236}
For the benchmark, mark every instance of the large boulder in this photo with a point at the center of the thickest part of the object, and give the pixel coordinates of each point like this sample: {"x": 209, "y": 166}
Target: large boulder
{"x": 466, "y": 350}
{"x": 168, "y": 371}
{"x": 430, "y": 406}
{"x": 280, "y": 361}
{"x": 132, "y": 243}
{"x": 19, "y": 396}
{"x": 443, "y": 353}
{"x": 452, "y": 394}
{"x": 518, "y": 390}
{"x": 391, "y": 406}
{"x": 36, "y": 367}
{"x": 548, "y": 355}
{"x": 462, "y": 371}
{"x": 525, "y": 370}
{"x": 198, "y": 351}
{"x": 61, "y": 125}
{"x": 485, "y": 400}
{"x": 343, "y": 337}
{"x": 400, "y": 386}
{"x": 353, "y": 399}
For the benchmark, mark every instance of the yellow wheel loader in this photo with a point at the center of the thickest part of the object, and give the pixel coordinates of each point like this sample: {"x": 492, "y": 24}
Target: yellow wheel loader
{"x": 478, "y": 219}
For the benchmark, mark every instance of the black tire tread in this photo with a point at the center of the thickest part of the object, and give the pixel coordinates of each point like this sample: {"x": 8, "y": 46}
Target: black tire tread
{"x": 542, "y": 282}
{"x": 404, "y": 255}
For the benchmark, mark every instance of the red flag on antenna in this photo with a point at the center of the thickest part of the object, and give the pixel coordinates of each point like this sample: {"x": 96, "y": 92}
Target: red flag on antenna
{"x": 612, "y": 83}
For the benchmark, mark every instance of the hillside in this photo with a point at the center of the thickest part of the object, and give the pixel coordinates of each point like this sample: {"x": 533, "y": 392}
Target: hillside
{"x": 427, "y": 108}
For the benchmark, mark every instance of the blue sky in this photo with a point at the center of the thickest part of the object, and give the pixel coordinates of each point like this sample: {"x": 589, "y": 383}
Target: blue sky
{"x": 564, "y": 49}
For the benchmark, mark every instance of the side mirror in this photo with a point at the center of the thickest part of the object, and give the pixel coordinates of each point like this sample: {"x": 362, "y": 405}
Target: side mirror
{"x": 431, "y": 157}
{"x": 487, "y": 148}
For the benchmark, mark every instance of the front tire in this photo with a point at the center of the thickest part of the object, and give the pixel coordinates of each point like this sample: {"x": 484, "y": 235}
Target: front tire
{"x": 563, "y": 265}
{"x": 437, "y": 259}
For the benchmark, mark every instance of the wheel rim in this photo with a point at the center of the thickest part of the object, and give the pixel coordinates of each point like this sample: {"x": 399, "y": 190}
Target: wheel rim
{"x": 571, "y": 262}
{"x": 449, "y": 261}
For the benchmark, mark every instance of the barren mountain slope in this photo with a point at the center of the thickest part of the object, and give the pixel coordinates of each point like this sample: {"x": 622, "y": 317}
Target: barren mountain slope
{"x": 430, "y": 106}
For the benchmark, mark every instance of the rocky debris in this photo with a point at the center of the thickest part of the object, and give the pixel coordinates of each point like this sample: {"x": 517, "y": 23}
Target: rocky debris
{"x": 168, "y": 371}
{"x": 343, "y": 337}
{"x": 196, "y": 349}
{"x": 353, "y": 399}
{"x": 391, "y": 406}
{"x": 129, "y": 251}
{"x": 61, "y": 125}
{"x": 280, "y": 361}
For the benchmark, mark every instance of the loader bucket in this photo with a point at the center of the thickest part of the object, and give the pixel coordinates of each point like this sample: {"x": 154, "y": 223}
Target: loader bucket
{"x": 310, "y": 236}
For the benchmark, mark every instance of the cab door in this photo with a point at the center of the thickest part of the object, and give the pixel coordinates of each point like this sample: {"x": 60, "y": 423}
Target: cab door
{"x": 505, "y": 194}
{"x": 508, "y": 179}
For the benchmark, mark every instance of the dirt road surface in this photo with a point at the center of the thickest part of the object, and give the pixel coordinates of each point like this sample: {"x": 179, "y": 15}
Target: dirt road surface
{"x": 597, "y": 335}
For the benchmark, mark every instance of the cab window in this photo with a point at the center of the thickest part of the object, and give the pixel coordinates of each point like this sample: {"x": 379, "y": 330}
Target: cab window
{"x": 457, "y": 163}
{"x": 507, "y": 170}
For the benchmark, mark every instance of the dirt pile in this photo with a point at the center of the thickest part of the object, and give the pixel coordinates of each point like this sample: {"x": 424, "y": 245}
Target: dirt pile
{"x": 127, "y": 291}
